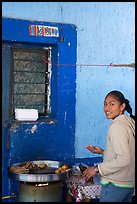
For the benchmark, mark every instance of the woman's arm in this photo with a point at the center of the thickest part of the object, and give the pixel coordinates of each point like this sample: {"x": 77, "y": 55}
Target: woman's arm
{"x": 94, "y": 149}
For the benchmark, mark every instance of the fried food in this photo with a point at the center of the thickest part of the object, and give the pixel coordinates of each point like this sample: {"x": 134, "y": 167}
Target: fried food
{"x": 24, "y": 168}
{"x": 57, "y": 171}
{"x": 17, "y": 169}
{"x": 62, "y": 169}
{"x": 42, "y": 165}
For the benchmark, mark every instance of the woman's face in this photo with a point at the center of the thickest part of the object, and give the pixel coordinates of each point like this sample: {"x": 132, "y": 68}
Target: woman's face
{"x": 112, "y": 107}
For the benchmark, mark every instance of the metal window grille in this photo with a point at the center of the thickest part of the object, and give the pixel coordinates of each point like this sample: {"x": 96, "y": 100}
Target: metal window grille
{"x": 31, "y": 79}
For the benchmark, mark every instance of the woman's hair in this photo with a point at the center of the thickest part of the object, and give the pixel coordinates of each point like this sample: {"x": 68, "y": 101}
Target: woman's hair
{"x": 120, "y": 97}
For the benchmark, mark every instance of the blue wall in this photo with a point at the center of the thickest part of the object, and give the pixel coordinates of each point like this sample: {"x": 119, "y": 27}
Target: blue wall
{"x": 54, "y": 136}
{"x": 105, "y": 34}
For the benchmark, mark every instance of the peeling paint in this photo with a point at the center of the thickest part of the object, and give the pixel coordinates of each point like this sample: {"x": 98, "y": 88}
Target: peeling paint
{"x": 34, "y": 128}
{"x": 49, "y": 141}
{"x": 14, "y": 127}
{"x": 51, "y": 122}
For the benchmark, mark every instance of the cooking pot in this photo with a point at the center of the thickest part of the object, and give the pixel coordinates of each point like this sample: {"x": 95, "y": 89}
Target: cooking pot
{"x": 41, "y": 175}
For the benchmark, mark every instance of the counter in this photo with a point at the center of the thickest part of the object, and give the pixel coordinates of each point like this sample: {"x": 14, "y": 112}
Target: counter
{"x": 81, "y": 190}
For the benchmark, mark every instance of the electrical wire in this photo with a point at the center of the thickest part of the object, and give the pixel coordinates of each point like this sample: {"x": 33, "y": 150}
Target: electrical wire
{"x": 132, "y": 65}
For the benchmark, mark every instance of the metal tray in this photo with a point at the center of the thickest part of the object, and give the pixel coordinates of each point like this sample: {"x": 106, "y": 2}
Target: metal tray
{"x": 42, "y": 176}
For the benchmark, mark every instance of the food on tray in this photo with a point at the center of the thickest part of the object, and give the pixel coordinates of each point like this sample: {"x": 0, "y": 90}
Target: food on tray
{"x": 31, "y": 167}
{"x": 62, "y": 169}
{"x": 42, "y": 165}
{"x": 24, "y": 168}
{"x": 17, "y": 169}
{"x": 57, "y": 171}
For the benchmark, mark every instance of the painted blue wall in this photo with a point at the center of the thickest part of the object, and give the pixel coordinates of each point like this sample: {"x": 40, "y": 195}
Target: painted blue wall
{"x": 105, "y": 34}
{"x": 55, "y": 135}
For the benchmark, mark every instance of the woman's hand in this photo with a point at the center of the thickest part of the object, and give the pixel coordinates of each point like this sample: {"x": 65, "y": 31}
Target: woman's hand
{"x": 89, "y": 172}
{"x": 94, "y": 149}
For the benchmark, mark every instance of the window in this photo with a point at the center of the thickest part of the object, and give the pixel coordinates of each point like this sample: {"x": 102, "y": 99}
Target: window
{"x": 31, "y": 79}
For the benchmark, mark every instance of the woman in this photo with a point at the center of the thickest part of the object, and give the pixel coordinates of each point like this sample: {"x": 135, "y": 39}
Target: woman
{"x": 117, "y": 170}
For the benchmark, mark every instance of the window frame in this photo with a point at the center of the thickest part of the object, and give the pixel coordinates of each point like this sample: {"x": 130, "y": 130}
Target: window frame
{"x": 47, "y": 109}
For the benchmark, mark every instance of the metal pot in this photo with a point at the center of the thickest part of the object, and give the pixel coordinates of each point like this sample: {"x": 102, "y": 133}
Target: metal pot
{"x": 45, "y": 192}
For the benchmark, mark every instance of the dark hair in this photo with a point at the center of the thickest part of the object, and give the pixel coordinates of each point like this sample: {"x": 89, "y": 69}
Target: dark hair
{"x": 120, "y": 97}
